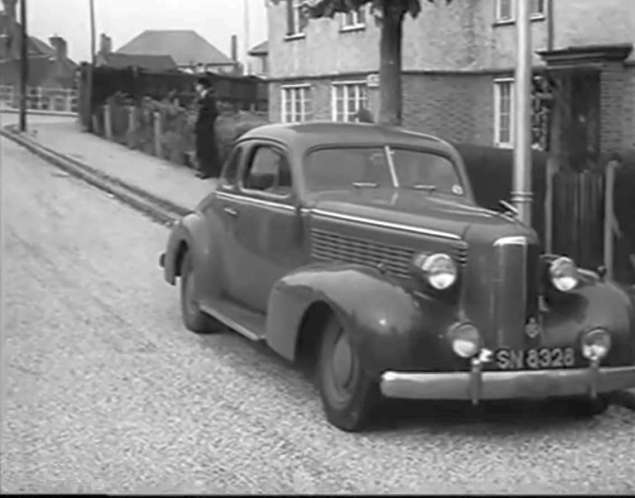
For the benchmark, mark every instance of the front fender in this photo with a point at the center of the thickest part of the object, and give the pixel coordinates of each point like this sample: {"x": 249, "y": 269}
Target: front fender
{"x": 390, "y": 327}
{"x": 596, "y": 303}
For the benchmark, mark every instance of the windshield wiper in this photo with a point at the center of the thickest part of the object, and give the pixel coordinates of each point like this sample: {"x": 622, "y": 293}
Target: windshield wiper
{"x": 423, "y": 186}
{"x": 365, "y": 185}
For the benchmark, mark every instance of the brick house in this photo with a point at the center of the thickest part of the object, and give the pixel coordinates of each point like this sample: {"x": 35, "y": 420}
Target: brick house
{"x": 458, "y": 69}
{"x": 52, "y": 74}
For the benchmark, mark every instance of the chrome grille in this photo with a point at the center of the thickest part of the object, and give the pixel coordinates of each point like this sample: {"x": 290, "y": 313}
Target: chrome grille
{"x": 330, "y": 246}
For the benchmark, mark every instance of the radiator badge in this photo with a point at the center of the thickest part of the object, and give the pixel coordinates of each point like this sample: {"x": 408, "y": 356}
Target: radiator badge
{"x": 533, "y": 328}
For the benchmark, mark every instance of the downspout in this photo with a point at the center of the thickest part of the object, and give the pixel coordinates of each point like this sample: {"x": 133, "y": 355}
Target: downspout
{"x": 551, "y": 160}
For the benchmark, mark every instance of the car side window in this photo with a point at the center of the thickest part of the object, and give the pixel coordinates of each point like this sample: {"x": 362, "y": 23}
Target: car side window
{"x": 230, "y": 171}
{"x": 268, "y": 171}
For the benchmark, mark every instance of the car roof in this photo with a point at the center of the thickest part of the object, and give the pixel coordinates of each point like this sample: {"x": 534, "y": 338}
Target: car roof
{"x": 310, "y": 134}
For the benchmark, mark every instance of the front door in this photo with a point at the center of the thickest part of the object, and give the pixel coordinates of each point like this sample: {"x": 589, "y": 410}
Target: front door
{"x": 269, "y": 229}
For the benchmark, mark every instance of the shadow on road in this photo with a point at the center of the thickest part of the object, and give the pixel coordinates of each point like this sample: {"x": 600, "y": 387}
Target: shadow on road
{"x": 491, "y": 418}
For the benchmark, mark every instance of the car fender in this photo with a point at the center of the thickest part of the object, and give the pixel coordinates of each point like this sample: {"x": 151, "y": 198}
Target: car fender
{"x": 194, "y": 233}
{"x": 390, "y": 326}
{"x": 595, "y": 303}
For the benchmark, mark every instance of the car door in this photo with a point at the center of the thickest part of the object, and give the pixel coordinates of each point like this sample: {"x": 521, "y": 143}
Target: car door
{"x": 220, "y": 214}
{"x": 269, "y": 240}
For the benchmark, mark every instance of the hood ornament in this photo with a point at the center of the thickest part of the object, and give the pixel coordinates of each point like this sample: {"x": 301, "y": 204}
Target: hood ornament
{"x": 533, "y": 329}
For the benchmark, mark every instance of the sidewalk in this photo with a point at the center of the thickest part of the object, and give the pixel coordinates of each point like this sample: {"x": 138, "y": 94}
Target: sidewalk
{"x": 174, "y": 183}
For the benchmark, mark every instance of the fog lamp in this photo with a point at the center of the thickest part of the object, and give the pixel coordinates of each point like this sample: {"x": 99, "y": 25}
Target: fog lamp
{"x": 596, "y": 344}
{"x": 439, "y": 270}
{"x": 564, "y": 274}
{"x": 465, "y": 340}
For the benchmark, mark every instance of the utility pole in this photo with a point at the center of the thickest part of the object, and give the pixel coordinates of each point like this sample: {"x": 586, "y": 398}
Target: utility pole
{"x": 246, "y": 40}
{"x": 24, "y": 66}
{"x": 521, "y": 195}
{"x": 89, "y": 79}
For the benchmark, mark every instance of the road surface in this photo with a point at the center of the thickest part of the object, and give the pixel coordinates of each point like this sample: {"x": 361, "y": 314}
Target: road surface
{"x": 106, "y": 392}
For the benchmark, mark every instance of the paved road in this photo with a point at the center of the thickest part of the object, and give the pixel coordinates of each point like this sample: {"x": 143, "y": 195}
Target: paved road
{"x": 106, "y": 392}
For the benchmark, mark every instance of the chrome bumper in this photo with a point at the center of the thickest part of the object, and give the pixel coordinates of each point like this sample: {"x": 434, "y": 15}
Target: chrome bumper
{"x": 477, "y": 385}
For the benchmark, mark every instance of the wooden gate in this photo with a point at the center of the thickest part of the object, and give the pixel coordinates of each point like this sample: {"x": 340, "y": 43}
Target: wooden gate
{"x": 578, "y": 216}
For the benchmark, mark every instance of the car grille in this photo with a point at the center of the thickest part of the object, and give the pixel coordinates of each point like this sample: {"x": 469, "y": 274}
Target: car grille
{"x": 331, "y": 246}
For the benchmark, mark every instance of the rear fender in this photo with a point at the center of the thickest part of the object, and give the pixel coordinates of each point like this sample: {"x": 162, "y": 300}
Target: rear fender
{"x": 193, "y": 235}
{"x": 389, "y": 326}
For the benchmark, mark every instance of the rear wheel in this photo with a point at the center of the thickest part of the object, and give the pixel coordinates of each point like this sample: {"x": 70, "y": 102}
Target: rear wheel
{"x": 193, "y": 318}
{"x": 348, "y": 394}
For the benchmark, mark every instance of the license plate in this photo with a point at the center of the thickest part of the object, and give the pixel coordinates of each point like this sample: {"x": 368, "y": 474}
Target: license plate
{"x": 534, "y": 359}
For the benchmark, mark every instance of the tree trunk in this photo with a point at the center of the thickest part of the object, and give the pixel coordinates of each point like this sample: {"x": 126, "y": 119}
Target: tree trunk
{"x": 390, "y": 65}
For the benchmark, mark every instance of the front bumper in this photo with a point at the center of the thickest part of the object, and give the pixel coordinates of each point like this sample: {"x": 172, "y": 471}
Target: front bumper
{"x": 477, "y": 385}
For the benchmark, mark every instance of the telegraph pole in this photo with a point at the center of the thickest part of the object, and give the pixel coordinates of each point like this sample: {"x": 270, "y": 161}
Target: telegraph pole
{"x": 91, "y": 67}
{"x": 247, "y": 69}
{"x": 521, "y": 190}
{"x": 24, "y": 66}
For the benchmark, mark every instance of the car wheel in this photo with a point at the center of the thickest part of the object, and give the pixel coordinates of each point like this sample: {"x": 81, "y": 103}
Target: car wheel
{"x": 193, "y": 318}
{"x": 348, "y": 394}
{"x": 587, "y": 407}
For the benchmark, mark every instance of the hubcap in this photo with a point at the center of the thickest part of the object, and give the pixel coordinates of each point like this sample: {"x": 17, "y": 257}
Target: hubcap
{"x": 342, "y": 363}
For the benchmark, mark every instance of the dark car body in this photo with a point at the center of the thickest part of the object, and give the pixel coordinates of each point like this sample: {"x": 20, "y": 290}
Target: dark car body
{"x": 269, "y": 264}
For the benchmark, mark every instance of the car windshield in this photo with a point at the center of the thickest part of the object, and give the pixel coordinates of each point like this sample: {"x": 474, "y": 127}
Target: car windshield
{"x": 375, "y": 167}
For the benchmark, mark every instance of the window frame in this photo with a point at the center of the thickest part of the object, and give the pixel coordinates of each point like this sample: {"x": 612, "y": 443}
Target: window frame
{"x": 346, "y": 85}
{"x": 225, "y": 183}
{"x": 358, "y": 17}
{"x": 533, "y": 15}
{"x": 294, "y": 31}
{"x": 246, "y": 169}
{"x": 306, "y": 107}
{"x": 498, "y": 83}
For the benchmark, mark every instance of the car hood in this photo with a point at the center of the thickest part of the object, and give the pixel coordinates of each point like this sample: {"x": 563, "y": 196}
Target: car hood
{"x": 413, "y": 208}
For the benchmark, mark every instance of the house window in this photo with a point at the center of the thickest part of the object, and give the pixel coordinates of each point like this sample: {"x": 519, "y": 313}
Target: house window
{"x": 347, "y": 99}
{"x": 503, "y": 112}
{"x": 354, "y": 19}
{"x": 505, "y": 10}
{"x": 296, "y": 103}
{"x": 296, "y": 19}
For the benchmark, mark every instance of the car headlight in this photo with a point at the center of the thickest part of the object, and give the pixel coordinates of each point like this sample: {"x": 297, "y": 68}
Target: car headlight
{"x": 596, "y": 344}
{"x": 439, "y": 270}
{"x": 564, "y": 274}
{"x": 465, "y": 340}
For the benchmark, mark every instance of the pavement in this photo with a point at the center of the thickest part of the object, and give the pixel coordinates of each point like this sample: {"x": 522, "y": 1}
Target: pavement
{"x": 165, "y": 181}
{"x": 104, "y": 391}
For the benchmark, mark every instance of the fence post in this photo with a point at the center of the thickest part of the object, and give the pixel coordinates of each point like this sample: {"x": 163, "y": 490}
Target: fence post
{"x": 107, "y": 122}
{"x": 551, "y": 171}
{"x": 609, "y": 218}
{"x": 157, "y": 134}
{"x": 131, "y": 126}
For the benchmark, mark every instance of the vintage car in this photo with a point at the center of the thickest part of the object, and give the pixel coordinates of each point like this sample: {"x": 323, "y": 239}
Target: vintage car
{"x": 360, "y": 248}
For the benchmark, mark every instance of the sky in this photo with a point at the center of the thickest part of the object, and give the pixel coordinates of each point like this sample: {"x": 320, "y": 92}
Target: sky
{"x": 122, "y": 20}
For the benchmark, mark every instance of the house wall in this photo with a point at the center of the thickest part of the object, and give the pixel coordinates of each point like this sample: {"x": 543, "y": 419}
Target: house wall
{"x": 593, "y": 22}
{"x": 451, "y": 56}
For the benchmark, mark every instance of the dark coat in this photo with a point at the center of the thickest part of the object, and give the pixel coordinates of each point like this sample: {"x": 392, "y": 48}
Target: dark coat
{"x": 206, "y": 148}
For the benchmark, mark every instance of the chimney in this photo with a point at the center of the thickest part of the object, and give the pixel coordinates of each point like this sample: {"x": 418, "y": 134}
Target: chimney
{"x": 105, "y": 44}
{"x": 59, "y": 44}
{"x": 9, "y": 9}
{"x": 234, "y": 48}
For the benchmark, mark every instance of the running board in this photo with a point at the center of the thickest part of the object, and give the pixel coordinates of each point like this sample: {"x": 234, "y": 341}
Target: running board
{"x": 246, "y": 322}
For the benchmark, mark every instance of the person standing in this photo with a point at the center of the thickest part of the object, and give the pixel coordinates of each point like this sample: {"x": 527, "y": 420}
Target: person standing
{"x": 206, "y": 148}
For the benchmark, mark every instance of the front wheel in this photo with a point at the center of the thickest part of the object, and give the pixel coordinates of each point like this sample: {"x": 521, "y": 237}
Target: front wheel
{"x": 348, "y": 394}
{"x": 193, "y": 318}
{"x": 589, "y": 407}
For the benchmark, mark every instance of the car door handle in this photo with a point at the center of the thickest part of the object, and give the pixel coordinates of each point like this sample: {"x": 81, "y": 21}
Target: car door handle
{"x": 230, "y": 211}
